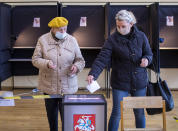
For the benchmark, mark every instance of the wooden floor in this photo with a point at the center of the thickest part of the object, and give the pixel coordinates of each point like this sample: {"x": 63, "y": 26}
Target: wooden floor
{"x": 30, "y": 115}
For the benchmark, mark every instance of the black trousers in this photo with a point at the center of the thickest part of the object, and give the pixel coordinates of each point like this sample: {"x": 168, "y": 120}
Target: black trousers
{"x": 53, "y": 106}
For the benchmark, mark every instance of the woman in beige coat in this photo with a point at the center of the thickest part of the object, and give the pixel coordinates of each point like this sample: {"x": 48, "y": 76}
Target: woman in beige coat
{"x": 58, "y": 58}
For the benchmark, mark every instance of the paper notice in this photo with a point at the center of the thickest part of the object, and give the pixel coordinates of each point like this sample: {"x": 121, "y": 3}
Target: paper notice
{"x": 169, "y": 20}
{"x": 83, "y": 21}
{"x": 6, "y": 102}
{"x": 36, "y": 22}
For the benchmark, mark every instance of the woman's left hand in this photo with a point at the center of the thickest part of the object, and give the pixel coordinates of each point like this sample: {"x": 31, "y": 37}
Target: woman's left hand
{"x": 74, "y": 69}
{"x": 144, "y": 62}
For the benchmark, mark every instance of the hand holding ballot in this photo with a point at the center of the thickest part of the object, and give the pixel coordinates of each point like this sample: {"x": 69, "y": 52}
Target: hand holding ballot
{"x": 90, "y": 78}
{"x": 92, "y": 84}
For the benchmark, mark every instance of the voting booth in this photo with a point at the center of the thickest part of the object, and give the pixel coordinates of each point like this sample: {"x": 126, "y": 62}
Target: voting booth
{"x": 84, "y": 112}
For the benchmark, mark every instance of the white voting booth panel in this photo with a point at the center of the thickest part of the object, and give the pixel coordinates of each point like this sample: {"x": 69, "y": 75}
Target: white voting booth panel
{"x": 84, "y": 113}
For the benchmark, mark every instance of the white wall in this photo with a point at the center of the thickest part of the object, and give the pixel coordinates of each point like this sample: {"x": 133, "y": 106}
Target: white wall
{"x": 32, "y": 81}
{"x": 170, "y": 75}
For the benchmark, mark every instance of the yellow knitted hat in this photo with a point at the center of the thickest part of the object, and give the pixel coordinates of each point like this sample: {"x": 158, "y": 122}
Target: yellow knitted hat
{"x": 58, "y": 22}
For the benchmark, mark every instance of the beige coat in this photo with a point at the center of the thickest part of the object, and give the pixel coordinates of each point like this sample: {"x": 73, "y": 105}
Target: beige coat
{"x": 63, "y": 53}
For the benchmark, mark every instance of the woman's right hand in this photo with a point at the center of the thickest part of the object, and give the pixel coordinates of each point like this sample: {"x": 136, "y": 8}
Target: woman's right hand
{"x": 90, "y": 78}
{"x": 51, "y": 65}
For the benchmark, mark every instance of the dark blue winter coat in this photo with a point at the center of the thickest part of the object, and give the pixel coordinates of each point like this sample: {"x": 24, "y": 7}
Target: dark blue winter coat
{"x": 126, "y": 54}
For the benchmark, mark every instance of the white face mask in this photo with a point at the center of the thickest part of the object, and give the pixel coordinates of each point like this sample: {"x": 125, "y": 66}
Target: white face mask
{"x": 60, "y": 35}
{"x": 124, "y": 31}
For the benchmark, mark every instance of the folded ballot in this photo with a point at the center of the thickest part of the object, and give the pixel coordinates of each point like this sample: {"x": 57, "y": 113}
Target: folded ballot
{"x": 94, "y": 86}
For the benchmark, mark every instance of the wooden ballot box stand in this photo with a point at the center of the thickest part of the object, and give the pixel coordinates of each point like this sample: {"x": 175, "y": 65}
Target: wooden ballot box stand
{"x": 83, "y": 112}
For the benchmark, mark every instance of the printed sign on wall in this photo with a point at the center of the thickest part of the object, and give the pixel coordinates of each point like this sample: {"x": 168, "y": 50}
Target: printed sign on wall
{"x": 84, "y": 122}
{"x": 83, "y": 21}
{"x": 36, "y": 22}
{"x": 170, "y": 21}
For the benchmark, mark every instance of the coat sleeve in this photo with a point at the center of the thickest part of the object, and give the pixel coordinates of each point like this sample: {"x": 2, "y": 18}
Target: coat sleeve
{"x": 79, "y": 60}
{"x": 102, "y": 60}
{"x": 147, "y": 53}
{"x": 37, "y": 59}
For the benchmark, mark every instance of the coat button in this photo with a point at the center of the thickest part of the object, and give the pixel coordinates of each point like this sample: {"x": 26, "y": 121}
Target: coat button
{"x": 59, "y": 54}
{"x": 135, "y": 72}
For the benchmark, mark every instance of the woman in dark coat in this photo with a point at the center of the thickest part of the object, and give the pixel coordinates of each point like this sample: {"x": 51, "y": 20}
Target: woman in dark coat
{"x": 130, "y": 53}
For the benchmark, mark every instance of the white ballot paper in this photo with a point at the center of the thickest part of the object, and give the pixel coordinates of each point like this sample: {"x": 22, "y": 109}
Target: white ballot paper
{"x": 6, "y": 102}
{"x": 94, "y": 86}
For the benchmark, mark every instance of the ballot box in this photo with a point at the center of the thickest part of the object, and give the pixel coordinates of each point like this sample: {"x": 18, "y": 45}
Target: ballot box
{"x": 83, "y": 112}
